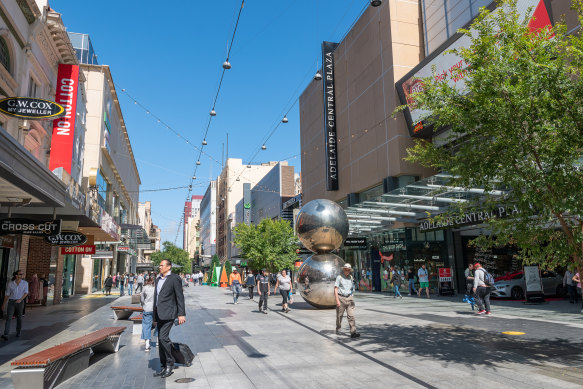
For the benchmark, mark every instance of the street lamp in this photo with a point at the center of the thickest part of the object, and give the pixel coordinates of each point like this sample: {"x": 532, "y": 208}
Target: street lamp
{"x": 376, "y": 3}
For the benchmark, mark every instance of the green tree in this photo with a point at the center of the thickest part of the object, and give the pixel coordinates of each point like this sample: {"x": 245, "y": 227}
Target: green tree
{"x": 176, "y": 255}
{"x": 215, "y": 262}
{"x": 517, "y": 125}
{"x": 228, "y": 268}
{"x": 271, "y": 244}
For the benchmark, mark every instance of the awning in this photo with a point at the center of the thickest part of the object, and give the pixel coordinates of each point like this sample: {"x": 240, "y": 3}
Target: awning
{"x": 409, "y": 205}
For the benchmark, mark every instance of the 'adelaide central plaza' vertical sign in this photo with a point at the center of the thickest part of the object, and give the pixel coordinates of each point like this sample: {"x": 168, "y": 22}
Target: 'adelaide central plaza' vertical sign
{"x": 330, "y": 115}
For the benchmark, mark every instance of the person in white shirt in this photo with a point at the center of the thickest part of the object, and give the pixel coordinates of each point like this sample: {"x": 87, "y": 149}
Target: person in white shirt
{"x": 140, "y": 281}
{"x": 16, "y": 292}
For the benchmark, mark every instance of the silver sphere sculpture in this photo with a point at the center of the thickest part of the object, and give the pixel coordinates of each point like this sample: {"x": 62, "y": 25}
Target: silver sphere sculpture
{"x": 322, "y": 226}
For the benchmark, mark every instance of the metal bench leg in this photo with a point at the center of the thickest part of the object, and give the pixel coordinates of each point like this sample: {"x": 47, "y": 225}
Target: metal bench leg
{"x": 122, "y": 315}
{"x": 137, "y": 328}
{"x": 109, "y": 345}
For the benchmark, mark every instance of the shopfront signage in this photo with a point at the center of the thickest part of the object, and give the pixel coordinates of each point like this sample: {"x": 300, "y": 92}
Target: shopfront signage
{"x": 469, "y": 218}
{"x": 394, "y": 246}
{"x": 330, "y": 115}
{"x": 444, "y": 274}
{"x": 30, "y": 108}
{"x": 7, "y": 241}
{"x": 84, "y": 249}
{"x": 355, "y": 243}
{"x": 109, "y": 225}
{"x": 18, "y": 226}
{"x": 303, "y": 251}
{"x": 446, "y": 66}
{"x": 247, "y": 203}
{"x": 126, "y": 249}
{"x": 67, "y": 238}
{"x": 292, "y": 201}
{"x": 64, "y": 128}
{"x": 103, "y": 254}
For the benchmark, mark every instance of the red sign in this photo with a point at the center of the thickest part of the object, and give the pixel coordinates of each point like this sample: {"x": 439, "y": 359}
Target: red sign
{"x": 64, "y": 127}
{"x": 444, "y": 274}
{"x": 86, "y": 249}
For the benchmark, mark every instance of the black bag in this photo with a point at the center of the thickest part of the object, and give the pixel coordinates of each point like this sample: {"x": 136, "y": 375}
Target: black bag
{"x": 182, "y": 354}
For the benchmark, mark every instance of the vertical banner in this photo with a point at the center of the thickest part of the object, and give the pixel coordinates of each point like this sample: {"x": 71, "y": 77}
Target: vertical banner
{"x": 330, "y": 115}
{"x": 247, "y": 203}
{"x": 64, "y": 128}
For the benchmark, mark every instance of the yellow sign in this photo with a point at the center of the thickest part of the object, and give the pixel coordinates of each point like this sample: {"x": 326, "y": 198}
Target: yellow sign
{"x": 513, "y": 333}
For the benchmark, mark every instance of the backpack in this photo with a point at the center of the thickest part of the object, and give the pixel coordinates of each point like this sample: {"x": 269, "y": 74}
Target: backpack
{"x": 488, "y": 278}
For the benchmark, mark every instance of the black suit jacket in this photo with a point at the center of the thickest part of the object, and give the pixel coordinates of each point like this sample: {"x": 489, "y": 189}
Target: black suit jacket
{"x": 169, "y": 303}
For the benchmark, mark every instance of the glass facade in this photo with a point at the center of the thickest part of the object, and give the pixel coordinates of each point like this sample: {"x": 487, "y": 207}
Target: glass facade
{"x": 68, "y": 275}
{"x": 83, "y": 48}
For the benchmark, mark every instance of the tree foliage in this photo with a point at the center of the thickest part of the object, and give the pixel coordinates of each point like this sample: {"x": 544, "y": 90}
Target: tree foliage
{"x": 215, "y": 262}
{"x": 271, "y": 244}
{"x": 517, "y": 125}
{"x": 175, "y": 255}
{"x": 228, "y": 268}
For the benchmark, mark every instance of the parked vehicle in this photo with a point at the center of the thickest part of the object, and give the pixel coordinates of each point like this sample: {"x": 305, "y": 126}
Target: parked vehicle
{"x": 513, "y": 285}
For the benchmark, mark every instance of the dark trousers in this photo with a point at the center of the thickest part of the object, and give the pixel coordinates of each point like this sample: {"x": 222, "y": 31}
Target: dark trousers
{"x": 250, "y": 292}
{"x": 483, "y": 298}
{"x": 164, "y": 342}
{"x": 14, "y": 309}
{"x": 572, "y": 289}
{"x": 263, "y": 299}
{"x": 140, "y": 285}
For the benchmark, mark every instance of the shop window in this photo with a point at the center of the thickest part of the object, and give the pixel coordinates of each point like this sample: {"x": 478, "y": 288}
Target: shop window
{"x": 4, "y": 54}
{"x": 32, "y": 88}
{"x": 371, "y": 194}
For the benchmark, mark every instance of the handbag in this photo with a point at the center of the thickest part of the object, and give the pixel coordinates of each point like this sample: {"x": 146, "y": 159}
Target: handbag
{"x": 291, "y": 298}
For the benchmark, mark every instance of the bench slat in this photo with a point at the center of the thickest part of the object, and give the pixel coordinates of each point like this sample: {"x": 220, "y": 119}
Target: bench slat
{"x": 60, "y": 351}
{"x": 136, "y": 309}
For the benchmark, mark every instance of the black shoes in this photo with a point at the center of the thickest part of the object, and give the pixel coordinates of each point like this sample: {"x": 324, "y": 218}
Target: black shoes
{"x": 168, "y": 372}
{"x": 355, "y": 335}
{"x": 160, "y": 372}
{"x": 4, "y": 337}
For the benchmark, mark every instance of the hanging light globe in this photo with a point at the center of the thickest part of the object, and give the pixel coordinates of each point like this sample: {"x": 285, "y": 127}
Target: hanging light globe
{"x": 204, "y": 142}
{"x": 226, "y": 65}
{"x": 238, "y": 179}
{"x": 263, "y": 147}
{"x": 376, "y": 3}
{"x": 318, "y": 76}
{"x": 284, "y": 120}
{"x": 213, "y": 113}
{"x": 194, "y": 177}
{"x": 248, "y": 166}
{"x": 197, "y": 163}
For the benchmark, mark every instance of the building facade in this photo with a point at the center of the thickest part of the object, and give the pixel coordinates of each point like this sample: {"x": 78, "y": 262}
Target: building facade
{"x": 208, "y": 223}
{"x": 191, "y": 230}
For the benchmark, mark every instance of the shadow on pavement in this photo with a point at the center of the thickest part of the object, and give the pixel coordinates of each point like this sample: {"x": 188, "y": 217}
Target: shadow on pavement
{"x": 471, "y": 347}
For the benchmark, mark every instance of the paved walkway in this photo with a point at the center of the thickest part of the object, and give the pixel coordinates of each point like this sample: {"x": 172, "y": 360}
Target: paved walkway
{"x": 408, "y": 343}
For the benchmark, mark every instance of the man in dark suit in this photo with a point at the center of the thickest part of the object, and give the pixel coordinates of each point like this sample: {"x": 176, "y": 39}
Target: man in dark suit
{"x": 168, "y": 306}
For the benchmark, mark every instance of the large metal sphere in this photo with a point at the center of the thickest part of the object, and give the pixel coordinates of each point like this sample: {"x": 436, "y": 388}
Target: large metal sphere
{"x": 316, "y": 279}
{"x": 322, "y": 225}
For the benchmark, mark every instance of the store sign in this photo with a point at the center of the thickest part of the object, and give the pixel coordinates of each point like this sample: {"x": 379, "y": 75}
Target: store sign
{"x": 18, "y": 226}
{"x": 292, "y": 201}
{"x": 30, "y": 108}
{"x": 470, "y": 218}
{"x": 359, "y": 243}
{"x": 394, "y": 246}
{"x": 67, "y": 238}
{"x": 85, "y": 249}
{"x": 109, "y": 225}
{"x": 303, "y": 251}
{"x": 103, "y": 254}
{"x": 126, "y": 249}
{"x": 330, "y": 115}
{"x": 64, "y": 128}
{"x": 445, "y": 274}
{"x": 445, "y": 66}
{"x": 247, "y": 203}
{"x": 7, "y": 241}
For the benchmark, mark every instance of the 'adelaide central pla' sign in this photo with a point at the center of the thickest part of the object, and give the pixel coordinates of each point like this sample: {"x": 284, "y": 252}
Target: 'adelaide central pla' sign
{"x": 31, "y": 108}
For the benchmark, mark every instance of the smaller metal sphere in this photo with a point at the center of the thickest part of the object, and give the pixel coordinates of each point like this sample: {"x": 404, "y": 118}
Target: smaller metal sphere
{"x": 322, "y": 225}
{"x": 316, "y": 279}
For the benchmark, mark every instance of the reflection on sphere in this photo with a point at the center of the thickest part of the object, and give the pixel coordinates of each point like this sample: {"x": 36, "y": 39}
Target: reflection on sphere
{"x": 322, "y": 225}
{"x": 316, "y": 279}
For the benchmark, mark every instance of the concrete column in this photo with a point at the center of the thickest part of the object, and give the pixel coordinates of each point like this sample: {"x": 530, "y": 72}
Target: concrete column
{"x": 59, "y": 278}
{"x": 23, "y": 257}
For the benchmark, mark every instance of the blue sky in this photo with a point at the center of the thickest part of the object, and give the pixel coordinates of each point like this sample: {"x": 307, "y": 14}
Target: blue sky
{"x": 168, "y": 56}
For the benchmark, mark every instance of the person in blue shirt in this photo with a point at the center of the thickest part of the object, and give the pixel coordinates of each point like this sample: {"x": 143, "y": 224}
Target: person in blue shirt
{"x": 423, "y": 276}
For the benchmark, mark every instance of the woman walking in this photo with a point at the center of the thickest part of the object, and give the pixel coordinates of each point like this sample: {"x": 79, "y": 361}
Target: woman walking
{"x": 250, "y": 282}
{"x": 147, "y": 301}
{"x": 285, "y": 289}
{"x": 396, "y": 281}
{"x": 107, "y": 285}
{"x": 235, "y": 282}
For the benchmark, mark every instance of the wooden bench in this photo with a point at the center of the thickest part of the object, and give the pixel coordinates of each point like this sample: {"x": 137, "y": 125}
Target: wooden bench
{"x": 52, "y": 366}
{"x": 124, "y": 313}
{"x": 137, "y": 327}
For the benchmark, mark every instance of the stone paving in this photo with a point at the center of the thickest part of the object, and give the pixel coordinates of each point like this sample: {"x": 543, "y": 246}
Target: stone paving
{"x": 407, "y": 343}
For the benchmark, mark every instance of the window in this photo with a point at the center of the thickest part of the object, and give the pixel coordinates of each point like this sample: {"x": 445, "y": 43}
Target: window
{"x": 4, "y": 54}
{"x": 32, "y": 87}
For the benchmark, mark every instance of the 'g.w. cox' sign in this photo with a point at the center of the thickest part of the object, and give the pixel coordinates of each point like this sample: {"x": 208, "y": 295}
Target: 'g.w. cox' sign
{"x": 67, "y": 238}
{"x": 31, "y": 108}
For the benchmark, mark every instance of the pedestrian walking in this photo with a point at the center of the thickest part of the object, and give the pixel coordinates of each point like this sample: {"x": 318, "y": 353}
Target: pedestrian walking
{"x": 423, "y": 276}
{"x": 169, "y": 309}
{"x": 396, "y": 281}
{"x": 344, "y": 291}
{"x": 131, "y": 280}
{"x": 469, "y": 275}
{"x": 45, "y": 285}
{"x": 235, "y": 283}
{"x": 411, "y": 280}
{"x": 571, "y": 286}
{"x": 285, "y": 289}
{"x": 195, "y": 279}
{"x": 13, "y": 304}
{"x": 263, "y": 288}
{"x": 147, "y": 302}
{"x": 250, "y": 282}
{"x": 122, "y": 280}
{"x": 116, "y": 280}
{"x": 577, "y": 279}
{"x": 481, "y": 290}
{"x": 107, "y": 285}
{"x": 140, "y": 281}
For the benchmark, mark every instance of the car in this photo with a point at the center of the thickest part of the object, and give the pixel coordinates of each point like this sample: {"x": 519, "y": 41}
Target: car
{"x": 512, "y": 285}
